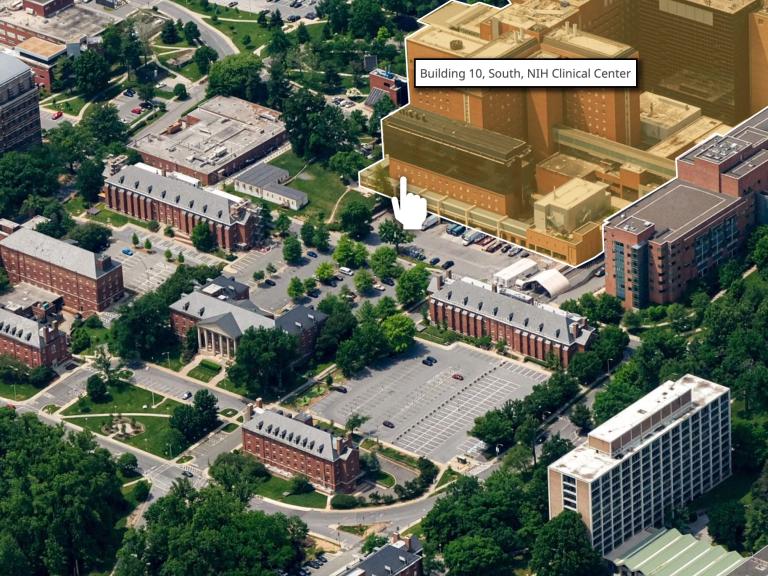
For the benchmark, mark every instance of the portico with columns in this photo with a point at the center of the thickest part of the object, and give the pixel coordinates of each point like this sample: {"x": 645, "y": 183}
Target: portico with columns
{"x": 212, "y": 342}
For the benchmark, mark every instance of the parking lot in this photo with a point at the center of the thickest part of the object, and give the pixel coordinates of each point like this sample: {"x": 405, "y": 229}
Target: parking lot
{"x": 431, "y": 411}
{"x": 256, "y": 6}
{"x": 143, "y": 271}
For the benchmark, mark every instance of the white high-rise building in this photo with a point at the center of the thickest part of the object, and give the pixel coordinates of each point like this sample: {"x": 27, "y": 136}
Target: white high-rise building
{"x": 662, "y": 451}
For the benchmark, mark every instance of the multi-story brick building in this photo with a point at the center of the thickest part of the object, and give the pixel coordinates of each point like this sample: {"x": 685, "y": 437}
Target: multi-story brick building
{"x": 221, "y": 321}
{"x": 19, "y": 110}
{"x": 30, "y": 342}
{"x": 222, "y": 136}
{"x": 661, "y": 452}
{"x": 693, "y": 223}
{"x": 386, "y": 84}
{"x": 398, "y": 557}
{"x": 293, "y": 446}
{"x": 145, "y": 195}
{"x": 86, "y": 281}
{"x": 529, "y": 329}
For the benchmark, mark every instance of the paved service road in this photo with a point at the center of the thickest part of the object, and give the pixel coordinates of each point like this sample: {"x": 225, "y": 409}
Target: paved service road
{"x": 431, "y": 411}
{"x": 209, "y": 35}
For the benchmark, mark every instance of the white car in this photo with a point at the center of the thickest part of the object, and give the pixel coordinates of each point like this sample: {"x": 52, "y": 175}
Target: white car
{"x": 379, "y": 287}
{"x": 187, "y": 395}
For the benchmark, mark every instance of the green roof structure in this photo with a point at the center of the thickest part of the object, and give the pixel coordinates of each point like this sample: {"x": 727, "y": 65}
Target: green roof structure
{"x": 670, "y": 553}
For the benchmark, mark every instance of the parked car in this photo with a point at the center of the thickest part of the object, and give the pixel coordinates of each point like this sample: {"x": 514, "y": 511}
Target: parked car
{"x": 294, "y": 18}
{"x": 524, "y": 255}
{"x": 388, "y": 281}
{"x": 388, "y": 424}
{"x": 232, "y": 4}
{"x": 426, "y": 362}
{"x": 269, "y": 282}
{"x": 147, "y": 105}
{"x": 434, "y": 261}
{"x": 432, "y": 359}
{"x": 130, "y": 93}
{"x": 310, "y": 16}
{"x": 379, "y": 287}
{"x": 347, "y": 271}
{"x": 457, "y": 376}
{"x": 127, "y": 251}
{"x": 505, "y": 248}
{"x": 136, "y": 110}
{"x": 342, "y": 389}
{"x": 187, "y": 474}
{"x": 339, "y": 277}
{"x": 187, "y": 395}
{"x": 447, "y": 264}
{"x": 514, "y": 251}
{"x": 313, "y": 293}
{"x": 312, "y": 254}
{"x": 600, "y": 272}
{"x": 56, "y": 115}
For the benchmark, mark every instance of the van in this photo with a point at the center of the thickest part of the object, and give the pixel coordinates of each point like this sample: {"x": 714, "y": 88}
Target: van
{"x": 347, "y": 271}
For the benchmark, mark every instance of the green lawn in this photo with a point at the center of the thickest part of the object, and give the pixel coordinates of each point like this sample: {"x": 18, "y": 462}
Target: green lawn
{"x": 307, "y": 396}
{"x": 205, "y": 371}
{"x": 224, "y": 11}
{"x": 190, "y": 71}
{"x": 735, "y": 488}
{"x": 98, "y": 337}
{"x": 72, "y": 106}
{"x": 17, "y": 392}
{"x": 231, "y": 427}
{"x": 126, "y": 400}
{"x": 316, "y": 81}
{"x": 322, "y": 186}
{"x": 448, "y": 476}
{"x": 227, "y": 384}
{"x": 228, "y": 412}
{"x": 107, "y": 216}
{"x": 275, "y": 487}
{"x": 75, "y": 206}
{"x": 315, "y": 31}
{"x": 356, "y": 529}
{"x": 415, "y": 530}
{"x": 438, "y": 335}
{"x": 380, "y": 477}
{"x": 156, "y": 437}
{"x": 238, "y": 30}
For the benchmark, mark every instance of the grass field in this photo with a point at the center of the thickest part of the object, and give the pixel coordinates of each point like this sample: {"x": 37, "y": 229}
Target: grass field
{"x": 157, "y": 437}
{"x": 17, "y": 392}
{"x": 205, "y": 371}
{"x": 98, "y": 337}
{"x": 448, "y": 476}
{"x": 190, "y": 71}
{"x": 227, "y": 384}
{"x": 275, "y": 487}
{"x": 380, "y": 477}
{"x": 391, "y": 453}
{"x": 127, "y": 400}
{"x": 107, "y": 216}
{"x": 231, "y": 427}
{"x": 735, "y": 488}
{"x": 239, "y": 30}
{"x": 75, "y": 206}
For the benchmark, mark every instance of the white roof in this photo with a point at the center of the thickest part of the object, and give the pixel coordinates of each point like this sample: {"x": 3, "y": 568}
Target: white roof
{"x": 552, "y": 281}
{"x": 522, "y": 266}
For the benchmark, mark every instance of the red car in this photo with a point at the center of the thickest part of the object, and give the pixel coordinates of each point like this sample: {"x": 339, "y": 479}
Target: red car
{"x": 457, "y": 376}
{"x": 136, "y": 110}
{"x": 56, "y": 115}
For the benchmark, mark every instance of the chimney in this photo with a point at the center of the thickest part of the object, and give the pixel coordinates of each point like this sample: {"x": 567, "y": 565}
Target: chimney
{"x": 248, "y": 412}
{"x": 394, "y": 538}
{"x": 575, "y": 329}
{"x": 412, "y": 541}
{"x": 339, "y": 444}
{"x": 449, "y": 274}
{"x": 259, "y": 403}
{"x": 440, "y": 281}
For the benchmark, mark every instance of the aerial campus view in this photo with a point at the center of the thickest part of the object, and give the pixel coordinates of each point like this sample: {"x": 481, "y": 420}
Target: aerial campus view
{"x": 383, "y": 287}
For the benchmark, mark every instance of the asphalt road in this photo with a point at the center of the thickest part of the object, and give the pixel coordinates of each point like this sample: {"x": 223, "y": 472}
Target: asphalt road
{"x": 211, "y": 37}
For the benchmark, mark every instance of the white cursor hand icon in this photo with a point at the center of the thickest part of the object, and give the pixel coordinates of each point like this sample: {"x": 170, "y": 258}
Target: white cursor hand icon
{"x": 410, "y": 209}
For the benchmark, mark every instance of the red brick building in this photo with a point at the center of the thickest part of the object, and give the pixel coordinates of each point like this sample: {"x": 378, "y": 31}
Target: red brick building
{"x": 529, "y": 329}
{"x": 293, "y": 446}
{"x": 87, "y": 282}
{"x": 30, "y": 342}
{"x": 148, "y": 196}
{"x": 692, "y": 224}
{"x": 387, "y": 84}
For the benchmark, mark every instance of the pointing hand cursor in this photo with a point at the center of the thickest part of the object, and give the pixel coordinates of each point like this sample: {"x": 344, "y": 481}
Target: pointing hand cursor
{"x": 410, "y": 209}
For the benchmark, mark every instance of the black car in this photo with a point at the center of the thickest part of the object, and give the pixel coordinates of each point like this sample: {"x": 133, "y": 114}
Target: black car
{"x": 130, "y": 93}
{"x": 426, "y": 362}
{"x": 600, "y": 272}
{"x": 388, "y": 281}
{"x": 333, "y": 283}
{"x": 312, "y": 254}
{"x": 524, "y": 255}
{"x": 447, "y": 264}
{"x": 269, "y": 282}
{"x": 187, "y": 473}
{"x": 388, "y": 424}
{"x": 342, "y": 389}
{"x": 434, "y": 261}
{"x": 294, "y": 18}
{"x": 314, "y": 293}
{"x": 432, "y": 359}
{"x": 505, "y": 248}
{"x": 147, "y": 105}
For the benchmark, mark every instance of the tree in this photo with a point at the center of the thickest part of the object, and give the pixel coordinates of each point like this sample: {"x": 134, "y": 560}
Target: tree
{"x": 206, "y": 407}
{"x": 238, "y": 75}
{"x": 264, "y": 362}
{"x": 619, "y": 393}
{"x": 282, "y": 224}
{"x": 472, "y": 555}
{"x": 310, "y": 284}
{"x": 372, "y": 542}
{"x": 325, "y": 272}
{"x": 412, "y": 285}
{"x": 563, "y": 548}
{"x": 191, "y": 32}
{"x": 399, "y": 331}
{"x": 518, "y": 458}
{"x": 180, "y": 91}
{"x": 202, "y": 237}
{"x": 299, "y": 484}
{"x": 276, "y": 19}
{"x": 392, "y": 232}
{"x": 91, "y": 73}
{"x": 384, "y": 263}
{"x": 355, "y": 219}
{"x": 259, "y": 275}
{"x": 91, "y": 236}
{"x": 102, "y": 362}
{"x": 153, "y": 225}
{"x": 322, "y": 238}
{"x": 142, "y": 328}
{"x": 189, "y": 345}
{"x": 381, "y": 109}
{"x": 292, "y": 250}
{"x": 147, "y": 244}
{"x": 169, "y": 34}
{"x": 279, "y": 43}
{"x": 354, "y": 421}
{"x": 295, "y": 288}
{"x": 350, "y": 253}
{"x": 59, "y": 221}
{"x": 726, "y": 525}
{"x": 128, "y": 465}
{"x": 585, "y": 367}
{"x": 204, "y": 57}
{"x": 97, "y": 389}
{"x": 238, "y": 473}
{"x": 184, "y": 420}
{"x": 101, "y": 123}
{"x": 224, "y": 529}
{"x": 364, "y": 281}
{"x": 337, "y": 14}
{"x": 141, "y": 491}
{"x": 80, "y": 340}
{"x": 168, "y": 255}
{"x": 90, "y": 179}
{"x": 366, "y": 17}
{"x": 308, "y": 234}
{"x": 581, "y": 417}
{"x": 135, "y": 239}
{"x": 302, "y": 34}
{"x": 74, "y": 535}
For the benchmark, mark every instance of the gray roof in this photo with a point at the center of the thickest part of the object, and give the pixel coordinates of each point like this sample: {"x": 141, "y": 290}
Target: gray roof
{"x": 227, "y": 316}
{"x": 23, "y": 330}
{"x": 175, "y": 192}
{"x": 56, "y": 252}
{"x": 287, "y": 192}
{"x": 756, "y": 565}
{"x": 292, "y": 431}
{"x": 396, "y": 557}
{"x": 263, "y": 174}
{"x": 11, "y": 67}
{"x": 306, "y": 317}
{"x": 549, "y": 322}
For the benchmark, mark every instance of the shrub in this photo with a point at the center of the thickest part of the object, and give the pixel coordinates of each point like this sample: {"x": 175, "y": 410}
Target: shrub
{"x": 141, "y": 492}
{"x": 211, "y": 365}
{"x": 344, "y": 502}
{"x": 153, "y": 226}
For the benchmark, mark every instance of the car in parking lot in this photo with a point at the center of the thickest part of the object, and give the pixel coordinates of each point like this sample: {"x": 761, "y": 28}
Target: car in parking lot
{"x": 269, "y": 282}
{"x": 136, "y": 110}
{"x": 187, "y": 474}
{"x": 429, "y": 361}
{"x": 524, "y": 254}
{"x": 127, "y": 251}
{"x": 388, "y": 424}
{"x": 514, "y": 251}
{"x": 313, "y": 293}
{"x": 310, "y": 16}
{"x": 379, "y": 287}
{"x": 434, "y": 261}
{"x": 187, "y": 395}
{"x": 432, "y": 359}
{"x": 312, "y": 254}
{"x": 505, "y": 248}
{"x": 130, "y": 93}
{"x": 232, "y": 4}
{"x": 56, "y": 115}
{"x": 447, "y": 264}
{"x": 342, "y": 389}
{"x": 388, "y": 281}
{"x": 293, "y": 18}
{"x": 426, "y": 362}
{"x": 600, "y": 272}
{"x": 457, "y": 376}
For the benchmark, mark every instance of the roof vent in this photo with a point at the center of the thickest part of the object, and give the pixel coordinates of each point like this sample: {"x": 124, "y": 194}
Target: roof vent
{"x": 511, "y": 315}
{"x": 450, "y": 293}
{"x": 201, "y": 311}
{"x": 219, "y": 213}
{"x": 205, "y": 208}
{"x": 162, "y": 194}
{"x": 122, "y": 179}
{"x": 320, "y": 448}
{"x": 260, "y": 424}
{"x": 136, "y": 184}
{"x": 557, "y": 333}
{"x": 480, "y": 305}
{"x": 526, "y": 322}
{"x": 541, "y": 327}
{"x": 277, "y": 430}
{"x": 466, "y": 299}
{"x": 186, "y": 306}
{"x": 495, "y": 310}
{"x": 178, "y": 197}
{"x": 269, "y": 428}
{"x": 149, "y": 188}
{"x": 290, "y": 436}
{"x": 304, "y": 442}
{"x": 191, "y": 202}
{"x": 311, "y": 444}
